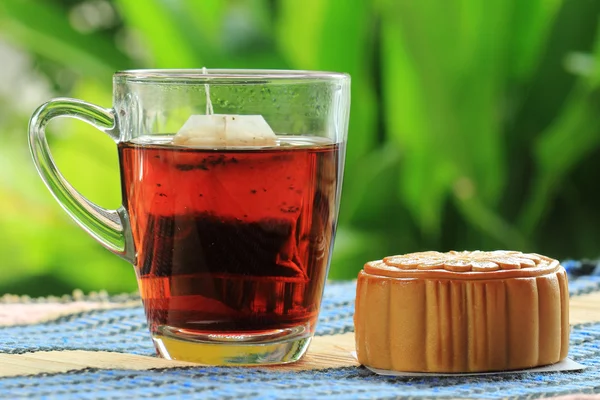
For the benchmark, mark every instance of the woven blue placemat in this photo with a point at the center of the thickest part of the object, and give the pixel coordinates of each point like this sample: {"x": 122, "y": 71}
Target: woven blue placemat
{"x": 125, "y": 330}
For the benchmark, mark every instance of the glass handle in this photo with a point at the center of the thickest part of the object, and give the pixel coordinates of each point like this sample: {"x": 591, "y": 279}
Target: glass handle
{"x": 109, "y": 227}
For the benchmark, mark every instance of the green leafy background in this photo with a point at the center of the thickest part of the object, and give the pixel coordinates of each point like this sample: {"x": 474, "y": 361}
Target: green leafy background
{"x": 474, "y": 124}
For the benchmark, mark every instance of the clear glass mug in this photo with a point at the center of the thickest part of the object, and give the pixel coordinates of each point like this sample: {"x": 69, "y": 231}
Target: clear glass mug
{"x": 231, "y": 241}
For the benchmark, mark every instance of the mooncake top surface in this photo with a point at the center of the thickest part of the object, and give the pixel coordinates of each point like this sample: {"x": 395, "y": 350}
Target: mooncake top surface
{"x": 463, "y": 264}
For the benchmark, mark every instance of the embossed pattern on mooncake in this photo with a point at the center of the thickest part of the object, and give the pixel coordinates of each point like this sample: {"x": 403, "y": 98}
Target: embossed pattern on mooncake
{"x": 463, "y": 261}
{"x": 468, "y": 265}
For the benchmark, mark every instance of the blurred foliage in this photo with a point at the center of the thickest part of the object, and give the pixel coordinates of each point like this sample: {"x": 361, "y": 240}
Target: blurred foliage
{"x": 473, "y": 123}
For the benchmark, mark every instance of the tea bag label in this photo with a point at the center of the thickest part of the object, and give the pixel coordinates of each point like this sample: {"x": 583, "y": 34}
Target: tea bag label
{"x": 225, "y": 130}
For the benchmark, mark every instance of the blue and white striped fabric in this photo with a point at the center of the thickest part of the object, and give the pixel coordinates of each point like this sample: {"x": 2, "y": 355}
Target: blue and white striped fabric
{"x": 124, "y": 330}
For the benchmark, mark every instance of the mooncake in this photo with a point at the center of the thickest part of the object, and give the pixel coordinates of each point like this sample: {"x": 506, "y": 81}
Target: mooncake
{"x": 470, "y": 311}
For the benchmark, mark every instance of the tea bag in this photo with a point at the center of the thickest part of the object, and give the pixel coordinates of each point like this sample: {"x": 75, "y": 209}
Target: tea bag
{"x": 225, "y": 130}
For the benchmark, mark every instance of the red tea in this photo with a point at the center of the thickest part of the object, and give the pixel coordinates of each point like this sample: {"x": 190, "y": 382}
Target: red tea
{"x": 235, "y": 240}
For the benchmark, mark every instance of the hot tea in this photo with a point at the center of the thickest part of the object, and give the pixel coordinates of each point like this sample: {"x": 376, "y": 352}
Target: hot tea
{"x": 231, "y": 241}
{"x": 229, "y": 225}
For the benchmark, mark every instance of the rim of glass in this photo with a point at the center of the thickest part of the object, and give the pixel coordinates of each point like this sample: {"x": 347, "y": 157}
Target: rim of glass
{"x": 155, "y": 75}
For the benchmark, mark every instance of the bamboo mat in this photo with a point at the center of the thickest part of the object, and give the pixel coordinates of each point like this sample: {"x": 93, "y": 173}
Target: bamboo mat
{"x": 329, "y": 351}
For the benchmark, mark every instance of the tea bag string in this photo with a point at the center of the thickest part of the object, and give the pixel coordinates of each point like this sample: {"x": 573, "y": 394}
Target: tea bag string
{"x": 209, "y": 106}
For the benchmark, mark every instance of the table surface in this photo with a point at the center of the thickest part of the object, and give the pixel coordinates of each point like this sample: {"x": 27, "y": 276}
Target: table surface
{"x": 99, "y": 347}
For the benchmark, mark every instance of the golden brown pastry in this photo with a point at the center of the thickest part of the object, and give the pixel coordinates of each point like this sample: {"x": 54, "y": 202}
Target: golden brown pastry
{"x": 462, "y": 312}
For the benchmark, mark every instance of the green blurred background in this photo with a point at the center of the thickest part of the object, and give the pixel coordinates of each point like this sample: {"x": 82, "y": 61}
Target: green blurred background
{"x": 474, "y": 124}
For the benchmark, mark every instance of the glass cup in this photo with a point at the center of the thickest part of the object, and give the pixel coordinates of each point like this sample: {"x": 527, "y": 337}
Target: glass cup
{"x": 228, "y": 222}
